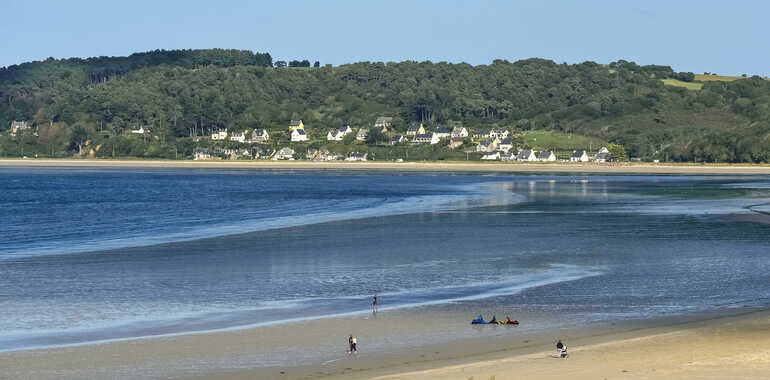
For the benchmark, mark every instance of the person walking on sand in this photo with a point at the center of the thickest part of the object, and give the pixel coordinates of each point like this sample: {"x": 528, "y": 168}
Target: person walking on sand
{"x": 354, "y": 347}
{"x": 350, "y": 344}
{"x": 374, "y": 303}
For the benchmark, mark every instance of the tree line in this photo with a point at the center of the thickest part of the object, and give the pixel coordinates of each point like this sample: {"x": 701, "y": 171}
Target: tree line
{"x": 183, "y": 94}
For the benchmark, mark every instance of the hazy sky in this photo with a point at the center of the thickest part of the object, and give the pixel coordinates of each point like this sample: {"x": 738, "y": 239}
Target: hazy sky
{"x": 727, "y": 37}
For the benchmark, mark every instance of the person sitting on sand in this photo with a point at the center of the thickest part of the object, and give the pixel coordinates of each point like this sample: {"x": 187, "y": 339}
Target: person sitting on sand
{"x": 508, "y": 321}
{"x": 493, "y": 320}
{"x": 561, "y": 349}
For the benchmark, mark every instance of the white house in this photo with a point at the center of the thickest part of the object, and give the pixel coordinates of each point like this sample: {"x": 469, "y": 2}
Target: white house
{"x": 357, "y": 157}
{"x": 603, "y": 155}
{"x": 398, "y": 139}
{"x": 455, "y": 142}
{"x": 482, "y": 134}
{"x": 339, "y": 133}
{"x": 505, "y": 146}
{"x": 546, "y": 156}
{"x": 219, "y": 135}
{"x": 17, "y": 126}
{"x": 499, "y": 133}
{"x": 427, "y": 138}
{"x": 140, "y": 131}
{"x": 201, "y": 154}
{"x": 383, "y": 123}
{"x": 415, "y": 129}
{"x": 260, "y": 136}
{"x": 363, "y": 134}
{"x": 579, "y": 156}
{"x": 238, "y": 137}
{"x": 526, "y": 155}
{"x": 444, "y": 132}
{"x": 298, "y": 135}
{"x": 284, "y": 154}
{"x": 491, "y": 156}
{"x": 460, "y": 132}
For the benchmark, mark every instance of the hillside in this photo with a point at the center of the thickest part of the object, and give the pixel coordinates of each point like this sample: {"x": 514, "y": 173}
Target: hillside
{"x": 183, "y": 95}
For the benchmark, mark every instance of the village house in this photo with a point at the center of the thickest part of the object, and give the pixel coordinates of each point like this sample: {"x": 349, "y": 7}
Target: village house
{"x": 363, "y": 134}
{"x": 18, "y": 126}
{"x": 444, "y": 132}
{"x": 298, "y": 135}
{"x": 357, "y": 157}
{"x": 383, "y": 123}
{"x": 490, "y": 145}
{"x": 232, "y": 154}
{"x": 460, "y": 132}
{"x": 603, "y": 155}
{"x": 526, "y": 155}
{"x": 201, "y": 154}
{"x": 284, "y": 154}
{"x": 579, "y": 156}
{"x": 455, "y": 142}
{"x": 505, "y": 146}
{"x": 490, "y": 156}
{"x": 219, "y": 134}
{"x": 260, "y": 136}
{"x": 546, "y": 156}
{"x": 427, "y": 138}
{"x": 238, "y": 137}
{"x": 398, "y": 139}
{"x": 296, "y": 124}
{"x": 481, "y": 134}
{"x": 499, "y": 133}
{"x": 415, "y": 129}
{"x": 509, "y": 157}
{"x": 140, "y": 131}
{"x": 257, "y": 152}
{"x": 339, "y": 133}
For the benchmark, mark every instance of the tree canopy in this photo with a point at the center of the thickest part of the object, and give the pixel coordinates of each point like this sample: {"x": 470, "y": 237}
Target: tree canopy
{"x": 181, "y": 94}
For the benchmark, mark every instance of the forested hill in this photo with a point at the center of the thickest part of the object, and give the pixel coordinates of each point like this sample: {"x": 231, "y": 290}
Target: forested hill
{"x": 182, "y": 94}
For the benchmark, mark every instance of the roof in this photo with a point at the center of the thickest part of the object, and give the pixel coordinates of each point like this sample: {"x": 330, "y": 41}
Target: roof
{"x": 295, "y": 123}
{"x": 603, "y": 156}
{"x": 414, "y": 127}
{"x": 201, "y": 150}
{"x": 300, "y": 131}
{"x": 481, "y": 132}
{"x": 397, "y": 138}
{"x": 525, "y": 153}
{"x": 578, "y": 153}
{"x": 343, "y": 128}
{"x": 260, "y": 132}
{"x": 444, "y": 130}
{"x": 384, "y": 119}
{"x": 506, "y": 142}
{"x": 424, "y": 136}
{"x": 544, "y": 154}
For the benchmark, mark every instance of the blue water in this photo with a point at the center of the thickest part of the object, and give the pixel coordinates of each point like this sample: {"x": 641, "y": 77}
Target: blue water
{"x": 91, "y": 255}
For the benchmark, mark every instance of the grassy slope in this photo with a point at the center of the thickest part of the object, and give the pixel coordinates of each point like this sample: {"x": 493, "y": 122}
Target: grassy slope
{"x": 695, "y": 86}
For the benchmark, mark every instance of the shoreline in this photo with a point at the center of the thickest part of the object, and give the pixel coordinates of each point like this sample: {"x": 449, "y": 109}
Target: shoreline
{"x": 446, "y": 166}
{"x": 730, "y": 341}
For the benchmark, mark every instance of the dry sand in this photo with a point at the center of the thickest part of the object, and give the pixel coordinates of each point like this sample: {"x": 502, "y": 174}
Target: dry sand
{"x": 459, "y": 166}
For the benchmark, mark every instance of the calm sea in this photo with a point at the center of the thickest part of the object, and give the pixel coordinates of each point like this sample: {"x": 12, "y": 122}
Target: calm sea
{"x": 96, "y": 254}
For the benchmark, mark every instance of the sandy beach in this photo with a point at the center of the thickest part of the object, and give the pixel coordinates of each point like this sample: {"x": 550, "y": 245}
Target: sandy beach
{"x": 444, "y": 166}
{"x": 733, "y": 346}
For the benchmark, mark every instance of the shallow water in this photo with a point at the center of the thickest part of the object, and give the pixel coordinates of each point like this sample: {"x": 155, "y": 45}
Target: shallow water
{"x": 592, "y": 248}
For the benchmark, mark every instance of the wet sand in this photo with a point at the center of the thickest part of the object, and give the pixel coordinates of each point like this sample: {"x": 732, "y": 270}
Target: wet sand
{"x": 709, "y": 347}
{"x": 443, "y": 166}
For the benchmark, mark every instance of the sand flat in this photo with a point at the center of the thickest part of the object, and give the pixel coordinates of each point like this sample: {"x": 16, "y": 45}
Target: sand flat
{"x": 727, "y": 347}
{"x": 443, "y": 166}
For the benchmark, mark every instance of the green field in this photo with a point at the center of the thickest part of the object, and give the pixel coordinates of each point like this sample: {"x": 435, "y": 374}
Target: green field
{"x": 558, "y": 141}
{"x": 710, "y": 78}
{"x": 695, "y": 86}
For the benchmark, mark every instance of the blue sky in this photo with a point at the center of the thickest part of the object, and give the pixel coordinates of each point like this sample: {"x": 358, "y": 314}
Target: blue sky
{"x": 715, "y": 36}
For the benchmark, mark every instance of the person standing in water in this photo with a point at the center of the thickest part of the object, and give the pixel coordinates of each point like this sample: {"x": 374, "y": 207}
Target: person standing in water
{"x": 374, "y": 303}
